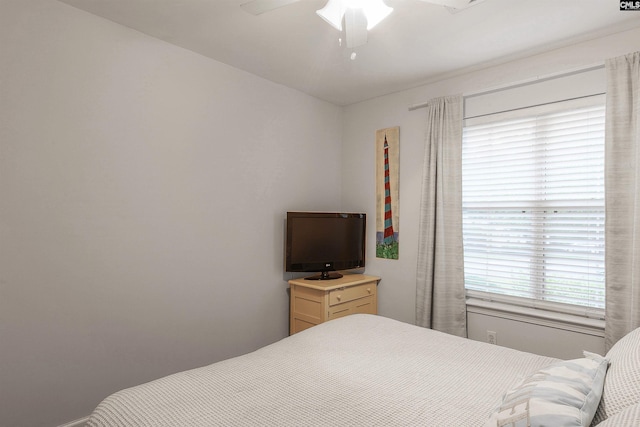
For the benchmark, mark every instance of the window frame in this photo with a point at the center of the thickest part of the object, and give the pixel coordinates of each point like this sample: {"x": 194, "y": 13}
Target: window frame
{"x": 579, "y": 310}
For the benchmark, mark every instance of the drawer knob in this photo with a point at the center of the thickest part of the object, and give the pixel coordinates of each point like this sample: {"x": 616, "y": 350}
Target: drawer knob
{"x": 339, "y": 297}
{"x": 369, "y": 290}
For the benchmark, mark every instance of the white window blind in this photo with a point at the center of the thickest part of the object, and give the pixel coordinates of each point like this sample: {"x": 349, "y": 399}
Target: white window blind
{"x": 533, "y": 206}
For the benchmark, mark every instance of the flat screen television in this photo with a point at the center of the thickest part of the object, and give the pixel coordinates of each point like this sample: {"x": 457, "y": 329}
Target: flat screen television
{"x": 324, "y": 242}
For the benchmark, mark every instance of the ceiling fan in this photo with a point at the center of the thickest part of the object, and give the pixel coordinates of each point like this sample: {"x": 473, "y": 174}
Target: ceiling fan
{"x": 358, "y": 15}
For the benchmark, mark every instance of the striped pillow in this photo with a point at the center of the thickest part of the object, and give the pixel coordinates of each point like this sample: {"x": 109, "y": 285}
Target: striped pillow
{"x": 565, "y": 393}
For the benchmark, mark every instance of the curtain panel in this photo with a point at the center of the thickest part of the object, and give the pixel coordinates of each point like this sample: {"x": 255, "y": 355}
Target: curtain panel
{"x": 440, "y": 293}
{"x": 622, "y": 189}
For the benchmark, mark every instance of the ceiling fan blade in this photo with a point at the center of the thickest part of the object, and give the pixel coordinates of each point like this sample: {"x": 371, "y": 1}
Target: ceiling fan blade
{"x": 355, "y": 27}
{"x": 257, "y": 7}
{"x": 455, "y": 4}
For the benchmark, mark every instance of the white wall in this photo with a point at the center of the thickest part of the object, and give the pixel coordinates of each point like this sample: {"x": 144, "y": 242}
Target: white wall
{"x": 397, "y": 288}
{"x": 548, "y": 338}
{"x": 143, "y": 191}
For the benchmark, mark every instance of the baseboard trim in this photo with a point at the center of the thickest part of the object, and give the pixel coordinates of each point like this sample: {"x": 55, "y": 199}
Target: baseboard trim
{"x": 80, "y": 422}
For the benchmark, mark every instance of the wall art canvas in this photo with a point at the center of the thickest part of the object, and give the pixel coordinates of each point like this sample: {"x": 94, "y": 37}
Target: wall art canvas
{"x": 387, "y": 192}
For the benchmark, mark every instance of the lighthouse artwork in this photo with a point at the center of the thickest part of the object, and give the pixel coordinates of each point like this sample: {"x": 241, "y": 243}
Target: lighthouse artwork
{"x": 387, "y": 174}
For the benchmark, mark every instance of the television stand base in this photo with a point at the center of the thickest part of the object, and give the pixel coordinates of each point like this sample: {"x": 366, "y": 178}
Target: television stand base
{"x": 325, "y": 275}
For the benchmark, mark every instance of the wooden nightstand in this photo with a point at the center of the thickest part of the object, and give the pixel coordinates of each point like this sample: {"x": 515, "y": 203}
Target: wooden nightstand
{"x": 315, "y": 301}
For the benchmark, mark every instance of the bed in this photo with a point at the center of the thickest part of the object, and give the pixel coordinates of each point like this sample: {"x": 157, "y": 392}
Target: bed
{"x": 367, "y": 370}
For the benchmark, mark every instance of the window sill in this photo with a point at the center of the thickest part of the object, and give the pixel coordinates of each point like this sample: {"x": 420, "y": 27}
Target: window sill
{"x": 569, "y": 322}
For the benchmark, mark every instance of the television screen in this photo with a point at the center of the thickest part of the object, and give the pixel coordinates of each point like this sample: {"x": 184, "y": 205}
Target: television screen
{"x": 325, "y": 242}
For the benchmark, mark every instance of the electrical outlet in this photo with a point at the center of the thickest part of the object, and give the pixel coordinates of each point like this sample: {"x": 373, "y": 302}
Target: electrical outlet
{"x": 492, "y": 337}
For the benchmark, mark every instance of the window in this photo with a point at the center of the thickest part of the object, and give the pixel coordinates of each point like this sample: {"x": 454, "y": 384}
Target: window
{"x": 533, "y": 206}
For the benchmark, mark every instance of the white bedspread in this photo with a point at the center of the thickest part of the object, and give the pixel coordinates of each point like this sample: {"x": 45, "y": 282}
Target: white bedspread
{"x": 360, "y": 370}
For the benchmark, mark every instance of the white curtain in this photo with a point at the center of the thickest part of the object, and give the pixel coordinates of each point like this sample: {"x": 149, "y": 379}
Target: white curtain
{"x": 440, "y": 294}
{"x": 622, "y": 186}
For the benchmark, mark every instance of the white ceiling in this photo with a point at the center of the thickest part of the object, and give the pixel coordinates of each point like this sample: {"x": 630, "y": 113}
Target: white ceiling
{"x": 417, "y": 44}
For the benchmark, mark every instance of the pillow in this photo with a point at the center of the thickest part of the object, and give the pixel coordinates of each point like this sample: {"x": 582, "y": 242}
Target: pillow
{"x": 564, "y": 393}
{"x": 622, "y": 384}
{"x": 628, "y": 417}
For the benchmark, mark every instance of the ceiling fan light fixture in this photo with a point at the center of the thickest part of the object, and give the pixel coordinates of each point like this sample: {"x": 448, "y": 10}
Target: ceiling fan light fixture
{"x": 333, "y": 12}
{"x": 374, "y": 10}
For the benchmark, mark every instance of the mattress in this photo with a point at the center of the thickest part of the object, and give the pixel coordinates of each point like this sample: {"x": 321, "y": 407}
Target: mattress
{"x": 359, "y": 370}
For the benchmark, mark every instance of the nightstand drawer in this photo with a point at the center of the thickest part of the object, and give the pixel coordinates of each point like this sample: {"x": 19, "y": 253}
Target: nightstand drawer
{"x": 342, "y": 295}
{"x": 366, "y": 305}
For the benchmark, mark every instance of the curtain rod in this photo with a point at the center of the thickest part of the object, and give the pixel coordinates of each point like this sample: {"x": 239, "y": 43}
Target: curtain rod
{"x": 536, "y": 79}
{"x": 537, "y": 105}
